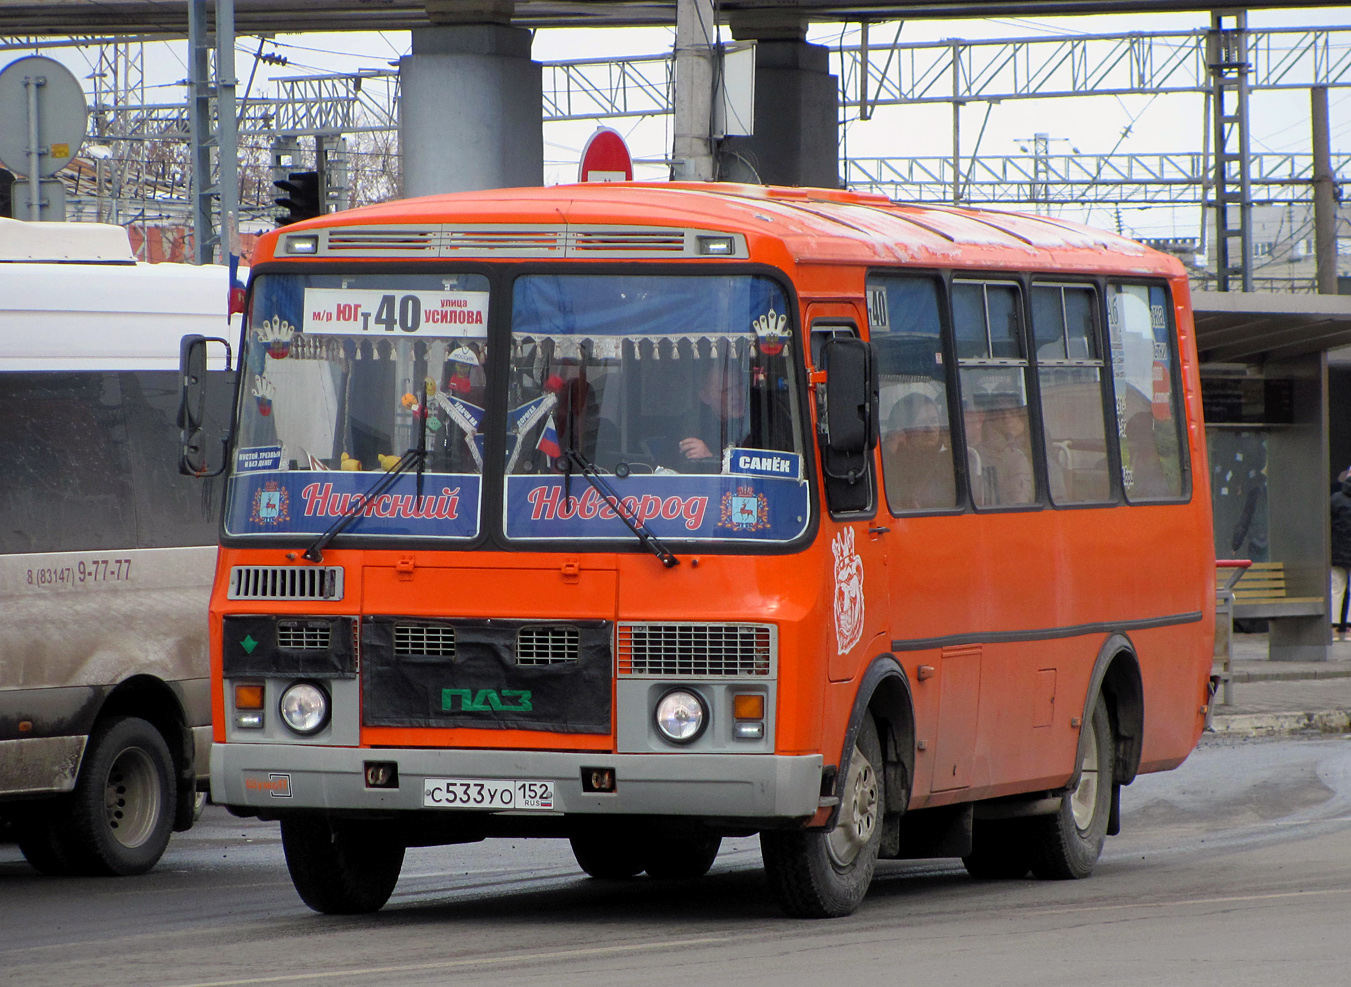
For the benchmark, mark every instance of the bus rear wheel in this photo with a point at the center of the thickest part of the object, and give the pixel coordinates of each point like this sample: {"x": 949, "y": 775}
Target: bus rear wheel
{"x": 681, "y": 857}
{"x": 121, "y": 813}
{"x": 341, "y": 866}
{"x": 826, "y": 874}
{"x": 1066, "y": 845}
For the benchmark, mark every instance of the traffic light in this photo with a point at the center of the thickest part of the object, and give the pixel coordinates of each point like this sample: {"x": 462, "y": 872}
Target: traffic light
{"x": 302, "y": 199}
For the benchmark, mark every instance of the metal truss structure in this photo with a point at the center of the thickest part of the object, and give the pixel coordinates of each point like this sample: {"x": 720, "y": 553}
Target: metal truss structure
{"x": 959, "y": 71}
{"x": 138, "y": 183}
{"x": 1082, "y": 179}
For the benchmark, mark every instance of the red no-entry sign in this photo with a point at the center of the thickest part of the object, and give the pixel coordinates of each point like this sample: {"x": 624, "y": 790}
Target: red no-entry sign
{"x": 605, "y": 158}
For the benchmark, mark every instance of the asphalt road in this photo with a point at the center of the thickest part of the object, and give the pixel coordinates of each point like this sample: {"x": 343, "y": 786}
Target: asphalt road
{"x": 1233, "y": 870}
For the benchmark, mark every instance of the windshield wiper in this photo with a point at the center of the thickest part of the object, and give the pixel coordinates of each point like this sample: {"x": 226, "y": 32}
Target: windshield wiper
{"x": 315, "y": 553}
{"x": 645, "y": 537}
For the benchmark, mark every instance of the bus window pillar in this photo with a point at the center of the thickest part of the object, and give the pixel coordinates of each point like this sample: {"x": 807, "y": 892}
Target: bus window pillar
{"x": 796, "y": 139}
{"x": 470, "y": 113}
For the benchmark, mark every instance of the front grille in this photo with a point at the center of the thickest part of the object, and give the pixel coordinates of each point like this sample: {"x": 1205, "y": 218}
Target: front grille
{"x": 432, "y": 640}
{"x": 696, "y": 650}
{"x": 302, "y": 635}
{"x": 285, "y": 582}
{"x": 547, "y": 645}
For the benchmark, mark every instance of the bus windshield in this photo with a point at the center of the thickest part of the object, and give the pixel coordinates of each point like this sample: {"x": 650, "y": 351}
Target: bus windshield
{"x": 681, "y": 390}
{"x": 343, "y": 375}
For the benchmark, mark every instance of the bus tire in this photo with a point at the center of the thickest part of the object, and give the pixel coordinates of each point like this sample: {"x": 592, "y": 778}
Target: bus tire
{"x": 998, "y": 852}
{"x": 817, "y": 874}
{"x": 40, "y": 844}
{"x": 1066, "y": 845}
{"x": 121, "y": 812}
{"x": 681, "y": 857}
{"x": 341, "y": 866}
{"x": 608, "y": 856}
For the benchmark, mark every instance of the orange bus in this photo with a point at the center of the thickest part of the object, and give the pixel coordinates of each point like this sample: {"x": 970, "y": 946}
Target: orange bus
{"x": 645, "y": 515}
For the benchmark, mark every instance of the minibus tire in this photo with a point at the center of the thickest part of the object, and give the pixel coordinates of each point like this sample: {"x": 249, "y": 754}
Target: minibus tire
{"x": 608, "y": 856}
{"x": 41, "y": 845}
{"x": 1061, "y": 847}
{"x": 810, "y": 873}
{"x": 681, "y": 857}
{"x": 122, "y": 807}
{"x": 998, "y": 850}
{"x": 341, "y": 866}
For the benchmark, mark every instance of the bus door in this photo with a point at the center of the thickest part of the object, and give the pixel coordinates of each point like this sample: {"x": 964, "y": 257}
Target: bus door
{"x": 858, "y": 542}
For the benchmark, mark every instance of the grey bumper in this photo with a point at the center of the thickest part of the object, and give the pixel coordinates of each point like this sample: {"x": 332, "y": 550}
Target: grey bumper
{"x": 276, "y": 777}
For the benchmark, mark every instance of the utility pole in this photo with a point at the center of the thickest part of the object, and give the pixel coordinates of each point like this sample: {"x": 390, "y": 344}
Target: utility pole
{"x": 692, "y": 157}
{"x": 1324, "y": 195}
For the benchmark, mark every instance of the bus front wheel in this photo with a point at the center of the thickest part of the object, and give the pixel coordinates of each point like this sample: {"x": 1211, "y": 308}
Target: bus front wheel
{"x": 1066, "y": 845}
{"x": 608, "y": 855}
{"x": 341, "y": 866}
{"x": 826, "y": 874}
{"x": 681, "y": 857}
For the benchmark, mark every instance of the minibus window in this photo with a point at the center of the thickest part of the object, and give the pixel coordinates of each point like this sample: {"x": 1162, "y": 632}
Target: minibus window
{"x": 993, "y": 374}
{"x": 1146, "y": 407}
{"x": 1069, "y": 370}
{"x": 916, "y": 432}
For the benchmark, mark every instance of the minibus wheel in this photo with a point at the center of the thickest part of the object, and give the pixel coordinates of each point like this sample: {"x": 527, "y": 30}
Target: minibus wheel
{"x": 608, "y": 856}
{"x": 681, "y": 857}
{"x": 341, "y": 866}
{"x": 1066, "y": 845}
{"x": 40, "y": 843}
{"x": 817, "y": 874}
{"x": 121, "y": 811}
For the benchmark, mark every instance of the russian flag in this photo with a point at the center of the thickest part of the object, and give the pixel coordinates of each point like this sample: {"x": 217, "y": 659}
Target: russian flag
{"x": 548, "y": 440}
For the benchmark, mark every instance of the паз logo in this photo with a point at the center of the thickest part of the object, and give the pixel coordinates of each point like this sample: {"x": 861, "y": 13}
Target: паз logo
{"x": 487, "y": 700}
{"x": 271, "y": 504}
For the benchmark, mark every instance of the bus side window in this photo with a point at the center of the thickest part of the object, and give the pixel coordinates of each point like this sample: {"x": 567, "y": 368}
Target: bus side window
{"x": 1069, "y": 370}
{"x": 992, "y": 372}
{"x": 1143, "y": 361}
{"x": 916, "y": 430}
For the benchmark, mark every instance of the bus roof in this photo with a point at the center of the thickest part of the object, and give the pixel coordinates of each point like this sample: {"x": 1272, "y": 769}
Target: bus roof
{"x": 815, "y": 226}
{"x": 63, "y": 243}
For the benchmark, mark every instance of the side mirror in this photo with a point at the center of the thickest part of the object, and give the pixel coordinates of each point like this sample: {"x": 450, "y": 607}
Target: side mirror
{"x": 192, "y": 404}
{"x": 851, "y": 396}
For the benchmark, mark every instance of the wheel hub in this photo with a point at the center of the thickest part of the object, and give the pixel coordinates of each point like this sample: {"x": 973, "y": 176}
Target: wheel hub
{"x": 1084, "y": 801}
{"x": 858, "y": 811}
{"x": 131, "y": 797}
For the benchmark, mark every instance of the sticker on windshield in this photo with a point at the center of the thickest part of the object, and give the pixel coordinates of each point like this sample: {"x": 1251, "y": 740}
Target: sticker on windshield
{"x": 757, "y": 462}
{"x": 362, "y": 312}
{"x": 255, "y": 460}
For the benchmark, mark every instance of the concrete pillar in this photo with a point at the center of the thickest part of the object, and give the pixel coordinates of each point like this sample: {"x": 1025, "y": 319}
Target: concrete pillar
{"x": 797, "y": 130}
{"x": 471, "y": 110}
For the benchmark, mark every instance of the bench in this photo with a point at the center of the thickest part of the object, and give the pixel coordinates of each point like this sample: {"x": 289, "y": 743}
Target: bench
{"x": 1251, "y": 591}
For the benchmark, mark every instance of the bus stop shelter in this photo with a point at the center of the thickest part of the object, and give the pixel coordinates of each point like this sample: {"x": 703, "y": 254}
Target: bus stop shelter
{"x": 1265, "y": 387}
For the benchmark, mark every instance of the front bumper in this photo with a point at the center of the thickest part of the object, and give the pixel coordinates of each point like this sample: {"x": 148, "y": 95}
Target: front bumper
{"x": 272, "y": 778}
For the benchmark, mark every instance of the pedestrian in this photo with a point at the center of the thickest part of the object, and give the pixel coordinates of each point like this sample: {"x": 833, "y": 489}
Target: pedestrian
{"x": 1341, "y": 554}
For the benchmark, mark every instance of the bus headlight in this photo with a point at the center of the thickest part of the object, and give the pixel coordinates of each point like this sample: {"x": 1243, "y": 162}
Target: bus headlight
{"x": 304, "y": 707}
{"x": 681, "y": 716}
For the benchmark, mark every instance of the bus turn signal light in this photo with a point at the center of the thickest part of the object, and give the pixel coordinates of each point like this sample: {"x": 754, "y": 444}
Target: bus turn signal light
{"x": 749, "y": 711}
{"x": 249, "y": 696}
{"x": 749, "y": 707}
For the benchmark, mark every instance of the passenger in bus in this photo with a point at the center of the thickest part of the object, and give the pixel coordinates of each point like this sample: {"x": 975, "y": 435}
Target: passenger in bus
{"x": 917, "y": 455}
{"x": 1148, "y": 479}
{"x": 1004, "y": 454}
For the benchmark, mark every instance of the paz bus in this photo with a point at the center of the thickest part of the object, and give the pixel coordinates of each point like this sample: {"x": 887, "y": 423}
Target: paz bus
{"x": 646, "y": 515}
{"x": 106, "y": 552}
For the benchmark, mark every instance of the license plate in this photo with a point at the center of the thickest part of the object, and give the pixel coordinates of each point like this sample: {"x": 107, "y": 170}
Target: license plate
{"x": 473, "y": 793}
